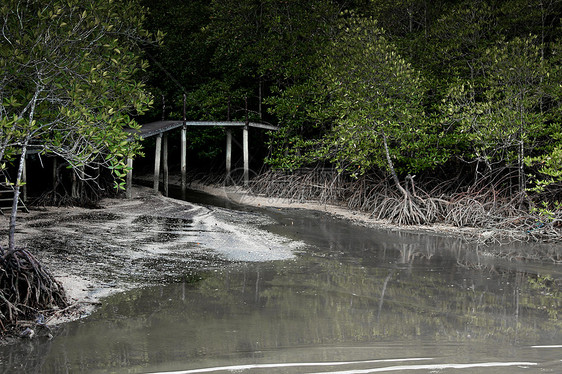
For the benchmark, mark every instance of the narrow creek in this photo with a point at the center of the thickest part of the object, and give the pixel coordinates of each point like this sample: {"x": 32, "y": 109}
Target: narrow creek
{"x": 352, "y": 300}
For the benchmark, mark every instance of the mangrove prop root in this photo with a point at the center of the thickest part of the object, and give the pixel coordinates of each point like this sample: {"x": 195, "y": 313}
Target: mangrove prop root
{"x": 487, "y": 205}
{"x": 27, "y": 288}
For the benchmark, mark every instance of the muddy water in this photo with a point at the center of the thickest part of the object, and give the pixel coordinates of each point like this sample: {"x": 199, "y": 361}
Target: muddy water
{"x": 353, "y": 300}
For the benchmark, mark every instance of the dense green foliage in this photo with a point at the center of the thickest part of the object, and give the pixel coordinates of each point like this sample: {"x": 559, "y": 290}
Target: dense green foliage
{"x": 454, "y": 86}
{"x": 476, "y": 81}
{"x": 69, "y": 79}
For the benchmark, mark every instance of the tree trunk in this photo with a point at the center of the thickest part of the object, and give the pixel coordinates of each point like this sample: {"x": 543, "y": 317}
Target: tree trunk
{"x": 260, "y": 97}
{"x": 391, "y": 167}
{"x": 521, "y": 156}
{"x": 15, "y": 200}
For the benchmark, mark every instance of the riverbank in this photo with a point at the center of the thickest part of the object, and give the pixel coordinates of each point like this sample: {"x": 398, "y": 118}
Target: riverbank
{"x": 150, "y": 239}
{"x": 517, "y": 244}
{"x": 240, "y": 195}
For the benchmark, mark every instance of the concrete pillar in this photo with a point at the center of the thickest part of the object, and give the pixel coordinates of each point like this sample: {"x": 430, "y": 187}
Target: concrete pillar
{"x": 129, "y": 191}
{"x": 184, "y": 160}
{"x": 228, "y": 152}
{"x": 77, "y": 181}
{"x": 157, "y": 155}
{"x": 246, "y": 149}
{"x": 165, "y": 163}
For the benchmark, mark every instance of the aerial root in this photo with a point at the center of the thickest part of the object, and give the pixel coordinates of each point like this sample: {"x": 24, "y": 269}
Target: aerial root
{"x": 486, "y": 205}
{"x": 27, "y": 288}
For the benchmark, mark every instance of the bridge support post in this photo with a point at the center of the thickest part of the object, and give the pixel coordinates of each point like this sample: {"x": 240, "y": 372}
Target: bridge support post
{"x": 165, "y": 163}
{"x": 129, "y": 190}
{"x": 54, "y": 173}
{"x": 228, "y": 152}
{"x": 157, "y": 154}
{"x": 246, "y": 149}
{"x": 74, "y": 186}
{"x": 184, "y": 160}
{"x": 77, "y": 182}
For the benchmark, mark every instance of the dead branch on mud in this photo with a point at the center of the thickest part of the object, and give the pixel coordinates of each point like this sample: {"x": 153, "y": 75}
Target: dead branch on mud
{"x": 27, "y": 288}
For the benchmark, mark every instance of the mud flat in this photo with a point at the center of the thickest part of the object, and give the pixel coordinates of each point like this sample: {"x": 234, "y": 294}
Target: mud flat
{"x": 510, "y": 244}
{"x": 147, "y": 240}
{"x": 239, "y": 195}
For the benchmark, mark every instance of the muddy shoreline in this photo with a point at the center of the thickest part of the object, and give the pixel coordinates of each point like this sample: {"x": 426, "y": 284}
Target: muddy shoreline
{"x": 506, "y": 244}
{"x": 238, "y": 195}
{"x": 152, "y": 239}
{"x": 148, "y": 240}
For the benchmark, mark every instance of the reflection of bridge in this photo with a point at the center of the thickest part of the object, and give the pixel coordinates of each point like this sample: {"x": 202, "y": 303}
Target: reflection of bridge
{"x": 160, "y": 129}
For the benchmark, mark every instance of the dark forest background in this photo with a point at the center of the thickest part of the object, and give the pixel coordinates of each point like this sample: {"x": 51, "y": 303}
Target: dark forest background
{"x": 462, "y": 90}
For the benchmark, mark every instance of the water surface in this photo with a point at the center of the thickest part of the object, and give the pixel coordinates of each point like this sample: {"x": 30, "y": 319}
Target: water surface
{"x": 353, "y": 300}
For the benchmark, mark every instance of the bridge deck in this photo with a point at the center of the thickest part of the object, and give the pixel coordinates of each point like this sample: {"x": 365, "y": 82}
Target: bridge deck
{"x": 154, "y": 128}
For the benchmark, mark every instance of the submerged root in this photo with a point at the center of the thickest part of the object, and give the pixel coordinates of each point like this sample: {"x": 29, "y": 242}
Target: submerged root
{"x": 27, "y": 288}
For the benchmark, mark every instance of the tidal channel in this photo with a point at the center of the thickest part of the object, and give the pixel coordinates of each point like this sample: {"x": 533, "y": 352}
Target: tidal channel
{"x": 351, "y": 300}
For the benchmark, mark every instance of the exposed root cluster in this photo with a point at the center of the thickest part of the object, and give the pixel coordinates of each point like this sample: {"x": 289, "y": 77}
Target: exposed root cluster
{"x": 325, "y": 186}
{"x": 27, "y": 288}
{"x": 489, "y": 206}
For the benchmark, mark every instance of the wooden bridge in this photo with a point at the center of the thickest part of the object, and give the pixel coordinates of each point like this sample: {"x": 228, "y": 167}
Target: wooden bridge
{"x": 160, "y": 129}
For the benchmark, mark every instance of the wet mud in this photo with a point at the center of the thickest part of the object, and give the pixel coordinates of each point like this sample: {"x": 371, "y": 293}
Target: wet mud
{"x": 145, "y": 241}
{"x": 350, "y": 299}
